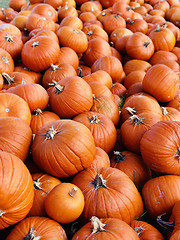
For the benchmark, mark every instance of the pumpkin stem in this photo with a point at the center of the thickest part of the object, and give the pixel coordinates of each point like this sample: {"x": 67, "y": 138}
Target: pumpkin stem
{"x": 119, "y": 156}
{"x": 35, "y": 44}
{"x": 37, "y": 184}
{"x": 130, "y": 110}
{"x": 37, "y": 111}
{"x": 99, "y": 181}
{"x": 136, "y": 120}
{"x": 9, "y": 38}
{"x": 90, "y": 32}
{"x": 177, "y": 154}
{"x": 66, "y": 5}
{"x": 167, "y": 225}
{"x": 80, "y": 72}
{"x": 146, "y": 44}
{"x": 51, "y": 132}
{"x": 164, "y": 25}
{"x": 94, "y": 119}
{"x": 98, "y": 226}
{"x": 53, "y": 83}
{"x": 54, "y": 67}
{"x": 75, "y": 31}
{"x": 94, "y": 97}
{"x": 23, "y": 82}
{"x": 1, "y": 213}
{"x": 73, "y": 192}
{"x": 130, "y": 21}
{"x": 31, "y": 235}
{"x": 158, "y": 28}
{"x": 138, "y": 230}
{"x": 8, "y": 78}
{"x": 59, "y": 88}
{"x": 164, "y": 111}
{"x": 5, "y": 60}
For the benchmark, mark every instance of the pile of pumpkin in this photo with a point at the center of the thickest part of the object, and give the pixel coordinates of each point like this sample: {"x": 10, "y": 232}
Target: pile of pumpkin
{"x": 89, "y": 120}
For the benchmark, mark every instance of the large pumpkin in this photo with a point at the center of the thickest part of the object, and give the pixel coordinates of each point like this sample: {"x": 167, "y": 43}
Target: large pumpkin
{"x": 108, "y": 192}
{"x": 106, "y": 228}
{"x": 160, "y": 147}
{"x": 37, "y": 228}
{"x": 63, "y": 148}
{"x": 17, "y": 191}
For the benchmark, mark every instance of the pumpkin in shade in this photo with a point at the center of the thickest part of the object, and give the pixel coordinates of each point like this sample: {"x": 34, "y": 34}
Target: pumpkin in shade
{"x": 68, "y": 200}
{"x": 70, "y": 97}
{"x": 39, "y": 53}
{"x": 108, "y": 192}
{"x": 17, "y": 191}
{"x": 146, "y": 231}
{"x": 12, "y": 105}
{"x": 63, "y": 148}
{"x": 39, "y": 118}
{"x": 160, "y": 194}
{"x": 160, "y": 147}
{"x": 101, "y": 127}
{"x": 37, "y": 228}
{"x": 34, "y": 94}
{"x": 132, "y": 164}
{"x": 15, "y": 136}
{"x": 105, "y": 228}
{"x": 43, "y": 184}
{"x": 161, "y": 82}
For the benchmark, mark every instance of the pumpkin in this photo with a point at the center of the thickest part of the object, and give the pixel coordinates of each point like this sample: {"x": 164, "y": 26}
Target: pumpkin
{"x": 43, "y": 32}
{"x": 34, "y": 55}
{"x": 66, "y": 10}
{"x": 57, "y": 72}
{"x": 12, "y": 105}
{"x": 140, "y": 46}
{"x": 99, "y": 89}
{"x": 111, "y": 65}
{"x": 34, "y": 94}
{"x": 101, "y": 127}
{"x": 11, "y": 29}
{"x": 146, "y": 231}
{"x": 161, "y": 82}
{"x": 93, "y": 31}
{"x": 112, "y": 22}
{"x": 158, "y": 144}
{"x": 6, "y": 62}
{"x": 123, "y": 9}
{"x": 136, "y": 65}
{"x": 71, "y": 21}
{"x": 17, "y": 191}
{"x": 67, "y": 54}
{"x": 69, "y": 202}
{"x": 71, "y": 96}
{"x": 132, "y": 164}
{"x": 161, "y": 56}
{"x": 137, "y": 25}
{"x": 101, "y": 159}
{"x": 37, "y": 227}
{"x": 63, "y": 148}
{"x": 134, "y": 77}
{"x": 110, "y": 228}
{"x": 39, "y": 118}
{"x": 160, "y": 194}
{"x": 169, "y": 113}
{"x": 108, "y": 192}
{"x": 17, "y": 5}
{"x": 43, "y": 184}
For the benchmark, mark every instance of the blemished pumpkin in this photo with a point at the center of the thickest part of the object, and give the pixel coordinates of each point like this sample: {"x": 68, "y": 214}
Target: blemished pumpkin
{"x": 105, "y": 228}
{"x": 63, "y": 148}
{"x": 108, "y": 192}
{"x": 69, "y": 202}
{"x": 17, "y": 200}
{"x": 36, "y": 228}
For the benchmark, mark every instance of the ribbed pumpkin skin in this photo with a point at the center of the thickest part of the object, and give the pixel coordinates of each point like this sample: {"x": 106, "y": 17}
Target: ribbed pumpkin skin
{"x": 159, "y": 147}
{"x": 120, "y": 199}
{"x": 40, "y": 57}
{"x": 71, "y": 150}
{"x": 161, "y": 82}
{"x": 45, "y": 228}
{"x": 160, "y": 194}
{"x": 12, "y": 105}
{"x": 115, "y": 229}
{"x": 17, "y": 190}
{"x": 75, "y": 98}
{"x": 146, "y": 231}
{"x": 15, "y": 136}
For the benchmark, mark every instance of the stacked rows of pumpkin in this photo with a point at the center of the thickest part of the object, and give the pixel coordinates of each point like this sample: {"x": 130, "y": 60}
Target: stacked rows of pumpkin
{"x": 67, "y": 154}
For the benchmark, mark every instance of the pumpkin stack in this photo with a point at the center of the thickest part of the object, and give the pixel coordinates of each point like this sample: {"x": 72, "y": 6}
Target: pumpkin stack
{"x": 89, "y": 119}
